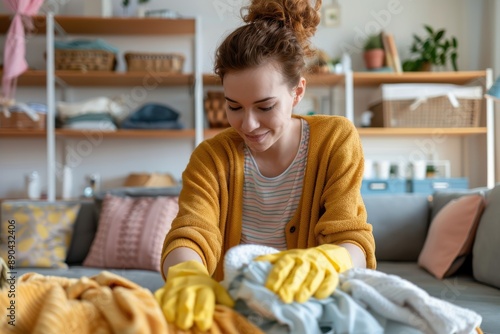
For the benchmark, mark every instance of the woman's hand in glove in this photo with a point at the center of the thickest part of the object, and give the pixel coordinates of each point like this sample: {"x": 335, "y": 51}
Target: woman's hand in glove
{"x": 189, "y": 296}
{"x": 298, "y": 274}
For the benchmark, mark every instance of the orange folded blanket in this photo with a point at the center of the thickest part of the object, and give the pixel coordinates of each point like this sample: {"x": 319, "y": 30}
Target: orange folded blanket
{"x": 226, "y": 321}
{"x": 105, "y": 303}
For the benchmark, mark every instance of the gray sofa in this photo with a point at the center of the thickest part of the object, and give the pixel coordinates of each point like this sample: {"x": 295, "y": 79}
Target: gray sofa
{"x": 400, "y": 224}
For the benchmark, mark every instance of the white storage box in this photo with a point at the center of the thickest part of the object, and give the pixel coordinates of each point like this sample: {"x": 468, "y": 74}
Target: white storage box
{"x": 426, "y": 106}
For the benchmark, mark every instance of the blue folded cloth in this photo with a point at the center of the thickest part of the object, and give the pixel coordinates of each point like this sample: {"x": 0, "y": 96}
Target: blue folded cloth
{"x": 154, "y": 112}
{"x": 153, "y": 116}
{"x": 86, "y": 44}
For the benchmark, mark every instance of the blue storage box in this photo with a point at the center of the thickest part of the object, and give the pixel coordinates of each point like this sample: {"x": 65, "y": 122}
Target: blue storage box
{"x": 383, "y": 186}
{"x": 429, "y": 186}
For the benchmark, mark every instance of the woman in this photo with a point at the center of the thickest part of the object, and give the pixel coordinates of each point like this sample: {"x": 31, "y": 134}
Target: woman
{"x": 273, "y": 178}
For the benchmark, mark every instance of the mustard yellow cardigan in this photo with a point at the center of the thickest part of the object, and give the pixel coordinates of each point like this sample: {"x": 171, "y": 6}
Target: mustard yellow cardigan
{"x": 331, "y": 209}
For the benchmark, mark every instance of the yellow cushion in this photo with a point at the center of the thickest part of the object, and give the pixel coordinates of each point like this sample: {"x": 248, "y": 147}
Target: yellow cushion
{"x": 36, "y": 234}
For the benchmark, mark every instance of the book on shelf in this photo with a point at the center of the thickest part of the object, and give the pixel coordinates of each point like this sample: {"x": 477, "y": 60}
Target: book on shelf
{"x": 391, "y": 51}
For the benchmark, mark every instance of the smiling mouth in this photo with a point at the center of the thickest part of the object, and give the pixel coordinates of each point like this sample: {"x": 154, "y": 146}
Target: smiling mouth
{"x": 256, "y": 138}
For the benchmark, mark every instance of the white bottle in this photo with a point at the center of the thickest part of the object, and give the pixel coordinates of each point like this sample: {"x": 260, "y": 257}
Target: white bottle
{"x": 33, "y": 185}
{"x": 67, "y": 183}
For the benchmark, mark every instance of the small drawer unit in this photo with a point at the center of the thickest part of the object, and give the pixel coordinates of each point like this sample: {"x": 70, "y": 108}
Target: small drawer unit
{"x": 431, "y": 185}
{"x": 383, "y": 186}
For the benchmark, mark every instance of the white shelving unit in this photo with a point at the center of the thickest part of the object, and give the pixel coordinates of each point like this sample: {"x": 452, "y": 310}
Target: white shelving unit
{"x": 116, "y": 27}
{"x": 368, "y": 79}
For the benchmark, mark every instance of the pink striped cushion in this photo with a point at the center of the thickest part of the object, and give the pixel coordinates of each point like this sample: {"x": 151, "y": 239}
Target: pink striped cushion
{"x": 131, "y": 231}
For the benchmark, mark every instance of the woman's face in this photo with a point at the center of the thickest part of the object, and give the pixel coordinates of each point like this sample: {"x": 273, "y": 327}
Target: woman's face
{"x": 259, "y": 105}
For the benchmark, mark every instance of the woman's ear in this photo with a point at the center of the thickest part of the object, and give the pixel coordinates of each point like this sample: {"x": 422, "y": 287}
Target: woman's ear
{"x": 299, "y": 91}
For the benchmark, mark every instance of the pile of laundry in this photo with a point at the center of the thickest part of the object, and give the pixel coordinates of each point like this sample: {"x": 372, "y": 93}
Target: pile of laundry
{"x": 365, "y": 301}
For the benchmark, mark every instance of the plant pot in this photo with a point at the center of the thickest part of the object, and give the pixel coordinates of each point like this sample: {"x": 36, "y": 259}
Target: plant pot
{"x": 426, "y": 67}
{"x": 374, "y": 58}
{"x": 141, "y": 10}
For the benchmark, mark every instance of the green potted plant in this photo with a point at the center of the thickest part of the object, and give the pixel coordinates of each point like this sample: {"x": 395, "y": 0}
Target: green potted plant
{"x": 430, "y": 171}
{"x": 374, "y": 54}
{"x": 433, "y": 49}
{"x": 141, "y": 6}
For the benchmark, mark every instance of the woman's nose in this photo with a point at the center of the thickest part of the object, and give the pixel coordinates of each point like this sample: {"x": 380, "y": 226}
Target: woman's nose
{"x": 249, "y": 122}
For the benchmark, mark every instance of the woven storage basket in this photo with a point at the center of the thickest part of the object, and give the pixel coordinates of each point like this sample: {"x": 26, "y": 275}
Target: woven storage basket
{"x": 437, "y": 112}
{"x": 156, "y": 62}
{"x": 20, "y": 120}
{"x": 84, "y": 60}
{"x": 431, "y": 112}
{"x": 150, "y": 180}
{"x": 215, "y": 110}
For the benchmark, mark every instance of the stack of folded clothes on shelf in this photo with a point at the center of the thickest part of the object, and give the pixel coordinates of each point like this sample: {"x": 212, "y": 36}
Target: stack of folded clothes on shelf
{"x": 92, "y": 121}
{"x": 153, "y": 116}
{"x": 101, "y": 113}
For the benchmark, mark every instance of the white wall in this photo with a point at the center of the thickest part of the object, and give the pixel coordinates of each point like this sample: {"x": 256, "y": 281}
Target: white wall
{"x": 468, "y": 20}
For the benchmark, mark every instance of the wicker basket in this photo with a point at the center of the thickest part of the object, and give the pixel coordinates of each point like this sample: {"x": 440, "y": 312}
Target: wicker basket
{"x": 20, "y": 120}
{"x": 84, "y": 60}
{"x": 215, "y": 109}
{"x": 437, "y": 112}
{"x": 150, "y": 180}
{"x": 156, "y": 62}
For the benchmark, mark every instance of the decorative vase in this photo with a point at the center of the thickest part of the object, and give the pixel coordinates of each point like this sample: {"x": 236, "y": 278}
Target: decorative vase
{"x": 374, "y": 58}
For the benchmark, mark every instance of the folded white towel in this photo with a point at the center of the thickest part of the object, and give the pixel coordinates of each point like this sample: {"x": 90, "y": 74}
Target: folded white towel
{"x": 398, "y": 299}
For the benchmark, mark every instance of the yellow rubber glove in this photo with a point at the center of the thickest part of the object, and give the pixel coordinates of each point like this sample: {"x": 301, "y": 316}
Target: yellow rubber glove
{"x": 298, "y": 274}
{"x": 189, "y": 296}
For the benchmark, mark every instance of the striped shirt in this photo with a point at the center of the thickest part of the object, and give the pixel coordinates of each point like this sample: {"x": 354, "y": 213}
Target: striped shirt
{"x": 269, "y": 203}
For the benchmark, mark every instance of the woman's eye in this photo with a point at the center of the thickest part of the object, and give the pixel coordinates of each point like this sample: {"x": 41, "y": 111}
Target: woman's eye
{"x": 233, "y": 108}
{"x": 267, "y": 108}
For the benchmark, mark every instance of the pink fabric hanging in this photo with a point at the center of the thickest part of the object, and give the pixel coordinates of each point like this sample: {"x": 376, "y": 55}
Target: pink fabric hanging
{"x": 14, "y": 61}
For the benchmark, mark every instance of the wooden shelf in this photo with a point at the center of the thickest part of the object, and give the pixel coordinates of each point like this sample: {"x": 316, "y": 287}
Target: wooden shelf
{"x": 375, "y": 79}
{"x": 22, "y": 133}
{"x": 211, "y": 80}
{"x": 82, "y": 25}
{"x": 327, "y": 79}
{"x": 32, "y": 78}
{"x": 457, "y": 78}
{"x": 421, "y": 131}
{"x": 108, "y": 79}
{"x": 121, "y": 79}
{"x": 126, "y": 133}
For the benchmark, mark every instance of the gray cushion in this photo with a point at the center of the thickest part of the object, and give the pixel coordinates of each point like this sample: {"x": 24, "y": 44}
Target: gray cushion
{"x": 443, "y": 197}
{"x": 399, "y": 223}
{"x": 486, "y": 249}
{"x": 83, "y": 233}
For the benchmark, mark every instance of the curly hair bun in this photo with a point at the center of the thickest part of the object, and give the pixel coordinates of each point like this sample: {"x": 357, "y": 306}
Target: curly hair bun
{"x": 301, "y": 16}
